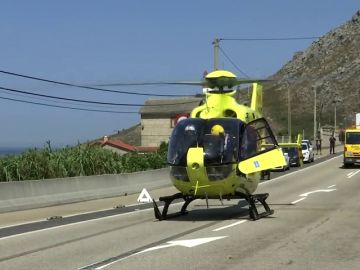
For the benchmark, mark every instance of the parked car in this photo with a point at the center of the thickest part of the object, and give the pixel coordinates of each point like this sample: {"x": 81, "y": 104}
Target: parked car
{"x": 308, "y": 142}
{"x": 286, "y": 166}
{"x": 295, "y": 155}
{"x": 307, "y": 152}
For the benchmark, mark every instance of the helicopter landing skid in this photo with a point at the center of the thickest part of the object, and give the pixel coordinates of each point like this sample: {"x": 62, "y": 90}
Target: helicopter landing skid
{"x": 252, "y": 199}
{"x": 168, "y": 200}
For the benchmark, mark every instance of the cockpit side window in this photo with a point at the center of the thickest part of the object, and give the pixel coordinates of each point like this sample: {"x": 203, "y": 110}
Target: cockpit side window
{"x": 187, "y": 133}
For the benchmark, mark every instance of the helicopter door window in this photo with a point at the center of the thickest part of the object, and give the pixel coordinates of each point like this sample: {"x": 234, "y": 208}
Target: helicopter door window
{"x": 257, "y": 138}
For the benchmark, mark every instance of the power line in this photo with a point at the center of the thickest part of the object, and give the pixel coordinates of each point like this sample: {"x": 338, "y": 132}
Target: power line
{"x": 66, "y": 107}
{"x": 228, "y": 58}
{"x": 269, "y": 39}
{"x": 89, "y": 101}
{"x": 49, "y": 100}
{"x": 87, "y": 87}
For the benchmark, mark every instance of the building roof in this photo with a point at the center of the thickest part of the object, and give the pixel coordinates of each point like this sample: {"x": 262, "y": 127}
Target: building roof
{"x": 170, "y": 107}
{"x": 119, "y": 144}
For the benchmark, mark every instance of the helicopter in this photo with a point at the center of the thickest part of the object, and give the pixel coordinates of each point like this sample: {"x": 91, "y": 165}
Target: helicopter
{"x": 220, "y": 151}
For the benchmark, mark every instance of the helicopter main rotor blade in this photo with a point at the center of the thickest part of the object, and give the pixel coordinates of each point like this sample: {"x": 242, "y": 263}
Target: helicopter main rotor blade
{"x": 155, "y": 83}
{"x": 252, "y": 80}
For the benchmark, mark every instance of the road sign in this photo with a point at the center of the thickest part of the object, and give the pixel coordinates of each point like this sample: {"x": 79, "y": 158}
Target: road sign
{"x": 144, "y": 197}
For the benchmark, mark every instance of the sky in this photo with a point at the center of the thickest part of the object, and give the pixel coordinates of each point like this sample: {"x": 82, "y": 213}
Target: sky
{"x": 88, "y": 43}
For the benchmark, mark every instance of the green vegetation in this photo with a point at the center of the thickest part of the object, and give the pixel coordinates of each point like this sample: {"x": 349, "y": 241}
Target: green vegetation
{"x": 80, "y": 160}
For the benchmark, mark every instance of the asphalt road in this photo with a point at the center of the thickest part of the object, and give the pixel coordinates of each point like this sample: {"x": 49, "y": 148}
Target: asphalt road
{"x": 315, "y": 226}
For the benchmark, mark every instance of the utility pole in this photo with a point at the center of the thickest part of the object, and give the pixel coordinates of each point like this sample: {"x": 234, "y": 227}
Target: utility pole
{"x": 314, "y": 113}
{"x": 335, "y": 117}
{"x": 216, "y": 44}
{"x": 289, "y": 112}
{"x": 336, "y": 100}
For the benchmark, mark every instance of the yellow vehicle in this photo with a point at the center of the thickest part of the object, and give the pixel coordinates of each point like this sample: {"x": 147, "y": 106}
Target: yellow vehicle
{"x": 351, "y": 147}
{"x": 294, "y": 151}
{"x": 217, "y": 153}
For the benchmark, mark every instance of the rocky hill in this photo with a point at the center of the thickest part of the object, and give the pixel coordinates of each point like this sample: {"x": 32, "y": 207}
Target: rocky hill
{"x": 131, "y": 135}
{"x": 331, "y": 66}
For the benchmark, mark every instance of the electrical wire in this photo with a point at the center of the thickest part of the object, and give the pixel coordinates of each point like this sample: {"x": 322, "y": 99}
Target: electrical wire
{"x": 269, "y": 39}
{"x": 228, "y": 58}
{"x": 27, "y": 97}
{"x": 88, "y": 87}
{"x": 92, "y": 102}
{"x": 66, "y": 107}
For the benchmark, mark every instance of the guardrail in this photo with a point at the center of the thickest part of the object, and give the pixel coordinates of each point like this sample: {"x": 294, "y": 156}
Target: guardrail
{"x": 22, "y": 195}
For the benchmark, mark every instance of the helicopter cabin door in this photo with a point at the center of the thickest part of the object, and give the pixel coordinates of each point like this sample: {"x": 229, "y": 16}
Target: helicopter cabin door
{"x": 259, "y": 149}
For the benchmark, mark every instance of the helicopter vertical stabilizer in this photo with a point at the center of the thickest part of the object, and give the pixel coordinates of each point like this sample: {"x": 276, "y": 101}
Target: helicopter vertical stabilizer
{"x": 256, "y": 99}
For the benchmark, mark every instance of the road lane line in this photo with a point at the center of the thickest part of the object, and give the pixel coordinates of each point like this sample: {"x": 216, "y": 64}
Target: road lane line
{"x": 316, "y": 191}
{"x": 182, "y": 243}
{"x": 229, "y": 226}
{"x": 299, "y": 200}
{"x": 331, "y": 186}
{"x": 301, "y": 170}
{"x": 75, "y": 223}
{"x": 353, "y": 173}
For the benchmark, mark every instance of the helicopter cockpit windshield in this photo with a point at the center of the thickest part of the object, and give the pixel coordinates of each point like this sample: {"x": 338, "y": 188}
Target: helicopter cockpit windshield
{"x": 219, "y": 138}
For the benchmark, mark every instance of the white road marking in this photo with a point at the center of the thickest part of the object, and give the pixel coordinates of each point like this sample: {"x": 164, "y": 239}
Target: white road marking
{"x": 349, "y": 175}
{"x": 299, "y": 200}
{"x": 183, "y": 243}
{"x": 80, "y": 222}
{"x": 70, "y": 215}
{"x": 71, "y": 224}
{"x": 229, "y": 226}
{"x": 298, "y": 171}
{"x": 331, "y": 186}
{"x": 304, "y": 195}
{"x": 316, "y": 191}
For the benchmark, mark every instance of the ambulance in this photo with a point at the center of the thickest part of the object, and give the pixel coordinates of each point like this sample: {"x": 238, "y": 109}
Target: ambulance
{"x": 352, "y": 146}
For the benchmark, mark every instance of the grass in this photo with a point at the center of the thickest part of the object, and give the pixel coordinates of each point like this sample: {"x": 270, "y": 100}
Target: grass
{"x": 81, "y": 160}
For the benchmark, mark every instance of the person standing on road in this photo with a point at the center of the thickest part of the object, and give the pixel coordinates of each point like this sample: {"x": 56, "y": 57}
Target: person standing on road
{"x": 318, "y": 145}
{"x": 332, "y": 141}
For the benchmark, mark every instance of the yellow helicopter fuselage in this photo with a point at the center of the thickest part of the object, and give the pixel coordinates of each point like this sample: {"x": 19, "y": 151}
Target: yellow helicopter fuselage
{"x": 200, "y": 176}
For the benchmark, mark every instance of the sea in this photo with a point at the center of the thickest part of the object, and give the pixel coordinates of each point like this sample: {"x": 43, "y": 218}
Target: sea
{"x": 5, "y": 150}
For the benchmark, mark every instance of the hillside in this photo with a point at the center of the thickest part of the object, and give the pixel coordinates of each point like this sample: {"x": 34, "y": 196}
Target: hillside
{"x": 331, "y": 65}
{"x": 131, "y": 135}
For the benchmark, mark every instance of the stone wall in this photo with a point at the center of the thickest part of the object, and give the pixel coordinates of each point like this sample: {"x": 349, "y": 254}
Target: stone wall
{"x": 155, "y": 131}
